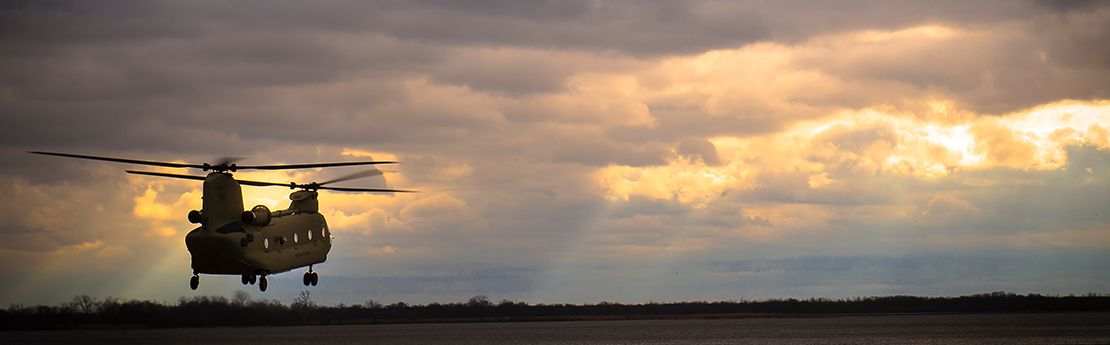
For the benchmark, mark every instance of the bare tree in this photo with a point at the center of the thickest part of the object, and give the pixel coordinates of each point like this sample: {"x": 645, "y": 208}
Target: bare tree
{"x": 241, "y": 298}
{"x": 83, "y": 304}
{"x": 18, "y": 308}
{"x": 304, "y": 301}
{"x": 304, "y": 304}
{"x": 372, "y": 304}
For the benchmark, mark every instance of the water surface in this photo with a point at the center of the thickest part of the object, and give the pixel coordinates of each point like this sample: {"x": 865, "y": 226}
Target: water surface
{"x": 1063, "y": 328}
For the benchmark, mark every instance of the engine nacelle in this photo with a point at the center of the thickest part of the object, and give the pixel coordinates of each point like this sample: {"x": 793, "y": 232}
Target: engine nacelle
{"x": 304, "y": 201}
{"x": 257, "y": 216}
{"x": 195, "y": 216}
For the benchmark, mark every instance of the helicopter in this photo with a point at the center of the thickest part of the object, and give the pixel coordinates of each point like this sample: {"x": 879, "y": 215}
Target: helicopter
{"x": 258, "y": 242}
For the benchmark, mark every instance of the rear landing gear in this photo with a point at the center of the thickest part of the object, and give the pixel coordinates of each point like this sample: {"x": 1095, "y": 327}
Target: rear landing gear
{"x": 246, "y": 279}
{"x": 194, "y": 282}
{"x": 311, "y": 277}
{"x": 262, "y": 283}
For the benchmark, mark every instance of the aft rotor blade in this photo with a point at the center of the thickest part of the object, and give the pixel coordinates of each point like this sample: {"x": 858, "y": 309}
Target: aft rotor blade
{"x": 265, "y": 184}
{"x": 377, "y": 190}
{"x": 357, "y": 175}
{"x": 318, "y": 186}
{"x": 187, "y": 177}
{"x": 121, "y": 160}
{"x": 309, "y": 165}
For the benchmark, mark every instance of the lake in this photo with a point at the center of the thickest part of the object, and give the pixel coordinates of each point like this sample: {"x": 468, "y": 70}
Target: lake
{"x": 1055, "y": 328}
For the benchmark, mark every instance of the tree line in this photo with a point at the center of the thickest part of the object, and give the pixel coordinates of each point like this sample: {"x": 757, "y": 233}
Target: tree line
{"x": 241, "y": 310}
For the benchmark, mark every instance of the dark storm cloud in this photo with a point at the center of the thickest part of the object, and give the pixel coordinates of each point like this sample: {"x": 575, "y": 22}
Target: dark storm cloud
{"x": 632, "y": 27}
{"x": 1085, "y": 48}
{"x": 116, "y": 87}
{"x": 170, "y": 62}
{"x": 999, "y": 70}
{"x": 655, "y": 28}
{"x": 638, "y": 28}
{"x": 1071, "y": 5}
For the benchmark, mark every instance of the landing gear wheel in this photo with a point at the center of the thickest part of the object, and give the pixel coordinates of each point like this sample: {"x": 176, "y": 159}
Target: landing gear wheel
{"x": 246, "y": 279}
{"x": 254, "y": 279}
{"x": 194, "y": 282}
{"x": 315, "y": 278}
{"x": 307, "y": 278}
{"x": 262, "y": 283}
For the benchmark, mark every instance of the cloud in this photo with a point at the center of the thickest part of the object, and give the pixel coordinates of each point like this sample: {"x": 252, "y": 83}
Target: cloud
{"x": 583, "y": 139}
{"x": 698, "y": 149}
{"x": 857, "y": 147}
{"x": 943, "y": 209}
{"x": 1069, "y": 5}
{"x": 439, "y": 209}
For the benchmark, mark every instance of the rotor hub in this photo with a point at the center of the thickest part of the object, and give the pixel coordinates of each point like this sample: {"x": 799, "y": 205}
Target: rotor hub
{"x": 219, "y": 167}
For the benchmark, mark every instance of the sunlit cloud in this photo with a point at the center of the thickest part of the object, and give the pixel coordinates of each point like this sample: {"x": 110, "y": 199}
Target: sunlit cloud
{"x": 667, "y": 136}
{"x": 874, "y": 142}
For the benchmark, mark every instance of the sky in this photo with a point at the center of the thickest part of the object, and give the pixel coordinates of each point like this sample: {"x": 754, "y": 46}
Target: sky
{"x": 569, "y": 151}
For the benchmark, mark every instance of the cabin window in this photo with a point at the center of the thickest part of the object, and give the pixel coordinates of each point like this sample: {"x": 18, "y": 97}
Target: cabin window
{"x": 296, "y": 238}
{"x": 309, "y": 234}
{"x": 266, "y": 243}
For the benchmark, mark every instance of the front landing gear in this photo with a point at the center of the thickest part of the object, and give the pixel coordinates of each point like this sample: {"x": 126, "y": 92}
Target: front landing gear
{"x": 194, "y": 282}
{"x": 311, "y": 277}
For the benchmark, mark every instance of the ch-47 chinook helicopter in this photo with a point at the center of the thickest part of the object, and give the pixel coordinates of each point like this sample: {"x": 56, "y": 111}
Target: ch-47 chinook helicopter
{"x": 258, "y": 242}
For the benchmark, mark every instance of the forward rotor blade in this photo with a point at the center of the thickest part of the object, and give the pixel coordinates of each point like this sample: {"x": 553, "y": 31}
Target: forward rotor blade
{"x": 378, "y": 190}
{"x": 121, "y": 160}
{"x": 275, "y": 184}
{"x": 201, "y": 178}
{"x": 187, "y": 177}
{"x": 357, "y": 175}
{"x": 309, "y": 165}
{"x": 226, "y": 163}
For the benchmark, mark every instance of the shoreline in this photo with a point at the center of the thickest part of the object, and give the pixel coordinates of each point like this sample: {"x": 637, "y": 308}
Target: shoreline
{"x": 545, "y": 319}
{"x": 564, "y": 318}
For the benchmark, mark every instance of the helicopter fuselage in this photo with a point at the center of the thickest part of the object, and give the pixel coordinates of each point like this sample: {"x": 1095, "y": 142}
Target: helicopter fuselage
{"x": 286, "y": 243}
{"x": 272, "y": 242}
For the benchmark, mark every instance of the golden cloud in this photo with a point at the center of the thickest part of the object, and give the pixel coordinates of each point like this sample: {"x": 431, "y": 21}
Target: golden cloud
{"x": 872, "y": 141}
